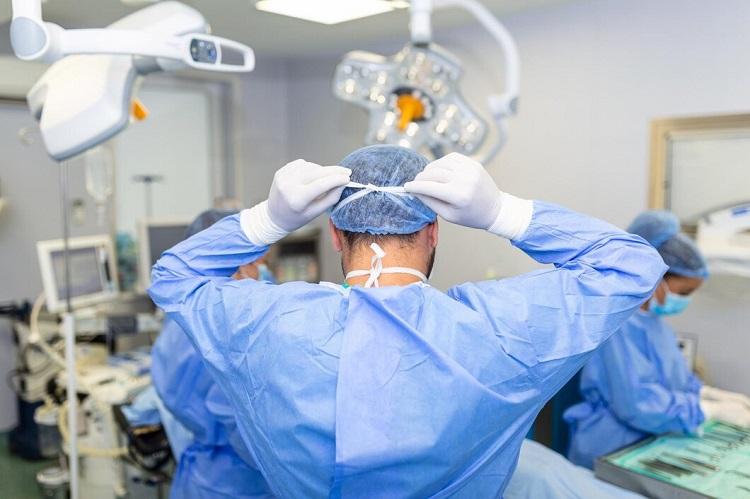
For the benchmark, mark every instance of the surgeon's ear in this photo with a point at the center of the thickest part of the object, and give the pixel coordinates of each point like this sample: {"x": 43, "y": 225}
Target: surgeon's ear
{"x": 433, "y": 234}
{"x": 335, "y": 237}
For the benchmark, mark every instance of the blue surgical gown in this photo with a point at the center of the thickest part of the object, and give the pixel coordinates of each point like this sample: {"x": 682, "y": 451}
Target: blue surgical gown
{"x": 544, "y": 474}
{"x": 401, "y": 391}
{"x": 214, "y": 463}
{"x": 637, "y": 384}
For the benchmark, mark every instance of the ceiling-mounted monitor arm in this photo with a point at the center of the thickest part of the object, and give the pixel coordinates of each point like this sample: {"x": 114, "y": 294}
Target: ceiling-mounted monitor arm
{"x": 500, "y": 105}
{"x": 34, "y": 39}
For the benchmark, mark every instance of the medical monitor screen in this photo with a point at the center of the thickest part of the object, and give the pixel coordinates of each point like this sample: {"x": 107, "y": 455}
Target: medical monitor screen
{"x": 85, "y": 272}
{"x": 163, "y": 237}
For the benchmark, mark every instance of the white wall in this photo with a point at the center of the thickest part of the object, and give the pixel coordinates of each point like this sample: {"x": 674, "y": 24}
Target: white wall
{"x": 595, "y": 74}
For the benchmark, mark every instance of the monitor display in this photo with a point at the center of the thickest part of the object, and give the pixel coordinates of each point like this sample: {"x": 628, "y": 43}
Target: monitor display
{"x": 93, "y": 271}
{"x": 85, "y": 272}
{"x": 163, "y": 237}
{"x": 155, "y": 236}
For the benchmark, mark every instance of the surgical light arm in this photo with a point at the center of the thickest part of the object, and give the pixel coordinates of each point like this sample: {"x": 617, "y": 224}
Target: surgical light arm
{"x": 34, "y": 39}
{"x": 501, "y": 105}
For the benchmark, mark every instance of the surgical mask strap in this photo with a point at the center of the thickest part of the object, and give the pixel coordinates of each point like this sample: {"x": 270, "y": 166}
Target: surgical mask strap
{"x": 376, "y": 269}
{"x": 367, "y": 189}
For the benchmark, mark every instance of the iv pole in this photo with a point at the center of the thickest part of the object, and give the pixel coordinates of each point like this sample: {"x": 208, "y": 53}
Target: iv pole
{"x": 69, "y": 333}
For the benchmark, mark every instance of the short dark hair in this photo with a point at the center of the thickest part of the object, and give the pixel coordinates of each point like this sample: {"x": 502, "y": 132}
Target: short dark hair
{"x": 355, "y": 239}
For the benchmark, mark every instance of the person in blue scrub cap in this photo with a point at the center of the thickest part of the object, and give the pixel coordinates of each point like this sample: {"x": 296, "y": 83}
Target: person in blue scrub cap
{"x": 385, "y": 386}
{"x": 638, "y": 383}
{"x": 212, "y": 461}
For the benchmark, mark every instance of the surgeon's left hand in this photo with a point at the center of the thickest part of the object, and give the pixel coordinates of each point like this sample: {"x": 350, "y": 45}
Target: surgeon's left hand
{"x": 461, "y": 191}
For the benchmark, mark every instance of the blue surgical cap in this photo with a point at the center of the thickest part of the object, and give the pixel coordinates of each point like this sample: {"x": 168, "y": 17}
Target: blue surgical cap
{"x": 206, "y": 220}
{"x": 383, "y": 212}
{"x": 662, "y": 231}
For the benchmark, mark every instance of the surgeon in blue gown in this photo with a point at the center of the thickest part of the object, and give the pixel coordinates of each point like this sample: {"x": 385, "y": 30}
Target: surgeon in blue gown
{"x": 638, "y": 383}
{"x": 212, "y": 460}
{"x": 385, "y": 386}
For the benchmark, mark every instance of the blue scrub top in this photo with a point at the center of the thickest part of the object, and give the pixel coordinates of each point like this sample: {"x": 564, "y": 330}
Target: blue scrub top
{"x": 637, "y": 384}
{"x": 401, "y": 391}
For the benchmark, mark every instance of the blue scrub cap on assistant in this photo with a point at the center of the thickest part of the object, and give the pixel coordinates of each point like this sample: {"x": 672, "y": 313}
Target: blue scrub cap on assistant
{"x": 206, "y": 220}
{"x": 662, "y": 231}
{"x": 378, "y": 203}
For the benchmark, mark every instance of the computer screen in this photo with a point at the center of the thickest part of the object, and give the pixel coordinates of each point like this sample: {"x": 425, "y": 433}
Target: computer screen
{"x": 85, "y": 272}
{"x": 93, "y": 271}
{"x": 156, "y": 237}
{"x": 162, "y": 238}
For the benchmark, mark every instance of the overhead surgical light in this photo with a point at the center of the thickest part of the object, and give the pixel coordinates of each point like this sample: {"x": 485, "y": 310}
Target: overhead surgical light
{"x": 329, "y": 11}
{"x": 83, "y": 100}
{"x": 413, "y": 97}
{"x": 33, "y": 39}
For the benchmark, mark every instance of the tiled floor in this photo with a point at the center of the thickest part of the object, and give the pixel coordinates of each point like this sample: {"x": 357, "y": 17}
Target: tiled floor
{"x": 18, "y": 475}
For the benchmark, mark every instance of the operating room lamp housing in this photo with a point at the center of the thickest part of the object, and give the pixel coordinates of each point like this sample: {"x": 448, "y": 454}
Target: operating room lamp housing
{"x": 83, "y": 100}
{"x": 413, "y": 98}
{"x": 430, "y": 76}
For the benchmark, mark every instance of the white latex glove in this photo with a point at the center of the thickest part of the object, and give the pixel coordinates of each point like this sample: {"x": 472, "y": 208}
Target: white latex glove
{"x": 461, "y": 191}
{"x": 713, "y": 393}
{"x": 728, "y": 411}
{"x": 300, "y": 192}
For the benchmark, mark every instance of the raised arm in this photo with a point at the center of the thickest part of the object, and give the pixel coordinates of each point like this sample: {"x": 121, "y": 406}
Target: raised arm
{"x": 193, "y": 269}
{"x": 546, "y": 319}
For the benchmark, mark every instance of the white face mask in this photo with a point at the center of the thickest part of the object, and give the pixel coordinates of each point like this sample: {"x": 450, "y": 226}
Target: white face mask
{"x": 376, "y": 269}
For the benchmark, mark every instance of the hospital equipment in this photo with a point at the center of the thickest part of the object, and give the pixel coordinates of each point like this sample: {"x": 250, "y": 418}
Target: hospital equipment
{"x": 724, "y": 238}
{"x": 93, "y": 276}
{"x": 155, "y": 236}
{"x": 413, "y": 98}
{"x": 34, "y": 39}
{"x": 713, "y": 464}
{"x": 99, "y": 163}
{"x": 83, "y": 101}
{"x": 148, "y": 181}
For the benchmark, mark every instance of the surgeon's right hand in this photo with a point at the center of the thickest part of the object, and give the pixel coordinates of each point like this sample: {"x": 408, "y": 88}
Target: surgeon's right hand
{"x": 461, "y": 191}
{"x": 728, "y": 411}
{"x": 300, "y": 192}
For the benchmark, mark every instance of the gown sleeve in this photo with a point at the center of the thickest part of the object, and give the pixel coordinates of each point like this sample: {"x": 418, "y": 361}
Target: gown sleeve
{"x": 192, "y": 283}
{"x": 549, "y": 319}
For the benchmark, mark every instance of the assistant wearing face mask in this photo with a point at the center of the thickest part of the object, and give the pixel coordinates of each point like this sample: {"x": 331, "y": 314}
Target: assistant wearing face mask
{"x": 673, "y": 303}
{"x": 638, "y": 383}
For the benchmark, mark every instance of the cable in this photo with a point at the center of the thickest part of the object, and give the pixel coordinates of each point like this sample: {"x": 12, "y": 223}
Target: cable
{"x": 62, "y": 424}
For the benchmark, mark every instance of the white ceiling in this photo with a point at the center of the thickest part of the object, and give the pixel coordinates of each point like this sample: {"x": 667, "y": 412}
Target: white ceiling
{"x": 271, "y": 34}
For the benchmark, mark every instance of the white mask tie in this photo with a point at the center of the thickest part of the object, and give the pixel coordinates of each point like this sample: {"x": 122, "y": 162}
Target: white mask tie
{"x": 366, "y": 189}
{"x": 377, "y": 269}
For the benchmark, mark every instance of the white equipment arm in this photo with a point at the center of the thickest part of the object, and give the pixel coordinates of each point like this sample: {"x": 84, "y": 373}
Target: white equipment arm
{"x": 501, "y": 105}
{"x": 34, "y": 39}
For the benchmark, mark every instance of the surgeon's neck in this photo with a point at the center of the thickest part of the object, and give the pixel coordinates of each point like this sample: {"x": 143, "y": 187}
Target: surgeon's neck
{"x": 396, "y": 255}
{"x": 416, "y": 252}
